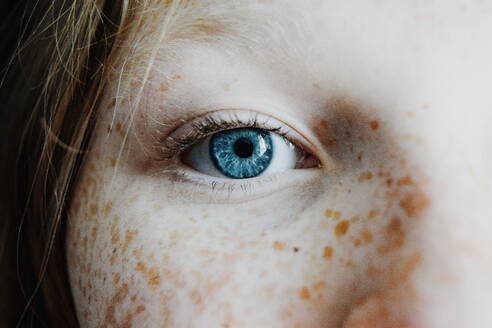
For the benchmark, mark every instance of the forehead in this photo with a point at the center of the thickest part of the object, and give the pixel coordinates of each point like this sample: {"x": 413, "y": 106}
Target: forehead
{"x": 324, "y": 21}
{"x": 399, "y": 49}
{"x": 321, "y": 36}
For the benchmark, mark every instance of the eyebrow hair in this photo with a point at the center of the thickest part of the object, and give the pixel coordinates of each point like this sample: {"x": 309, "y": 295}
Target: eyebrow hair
{"x": 232, "y": 26}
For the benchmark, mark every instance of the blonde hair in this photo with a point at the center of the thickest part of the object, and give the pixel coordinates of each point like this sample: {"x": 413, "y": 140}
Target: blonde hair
{"x": 51, "y": 89}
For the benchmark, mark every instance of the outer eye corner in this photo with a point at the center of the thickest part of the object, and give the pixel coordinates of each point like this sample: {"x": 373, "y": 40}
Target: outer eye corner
{"x": 309, "y": 161}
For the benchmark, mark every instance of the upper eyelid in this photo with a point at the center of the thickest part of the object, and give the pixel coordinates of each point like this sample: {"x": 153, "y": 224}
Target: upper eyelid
{"x": 245, "y": 116}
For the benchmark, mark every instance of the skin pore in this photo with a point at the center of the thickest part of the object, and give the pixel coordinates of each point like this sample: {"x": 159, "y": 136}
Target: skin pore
{"x": 392, "y": 230}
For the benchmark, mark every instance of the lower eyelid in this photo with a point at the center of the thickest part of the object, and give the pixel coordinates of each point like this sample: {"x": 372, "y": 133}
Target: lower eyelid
{"x": 199, "y": 188}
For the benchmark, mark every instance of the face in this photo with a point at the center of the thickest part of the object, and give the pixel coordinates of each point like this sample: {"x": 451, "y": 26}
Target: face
{"x": 349, "y": 189}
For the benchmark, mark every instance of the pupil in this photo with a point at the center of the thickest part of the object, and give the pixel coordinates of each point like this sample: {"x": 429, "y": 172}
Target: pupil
{"x": 243, "y": 147}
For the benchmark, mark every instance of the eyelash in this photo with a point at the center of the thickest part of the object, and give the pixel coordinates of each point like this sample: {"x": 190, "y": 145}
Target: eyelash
{"x": 208, "y": 125}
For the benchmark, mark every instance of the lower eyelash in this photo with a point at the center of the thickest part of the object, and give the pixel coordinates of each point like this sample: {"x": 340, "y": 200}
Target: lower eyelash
{"x": 224, "y": 187}
{"x": 216, "y": 190}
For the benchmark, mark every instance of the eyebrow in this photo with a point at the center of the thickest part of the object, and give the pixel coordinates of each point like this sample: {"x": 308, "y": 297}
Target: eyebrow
{"x": 244, "y": 26}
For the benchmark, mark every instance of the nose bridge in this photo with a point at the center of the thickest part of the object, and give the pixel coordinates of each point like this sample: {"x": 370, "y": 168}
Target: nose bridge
{"x": 443, "y": 275}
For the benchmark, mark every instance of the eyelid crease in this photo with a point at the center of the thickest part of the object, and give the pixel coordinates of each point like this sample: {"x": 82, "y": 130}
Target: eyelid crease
{"x": 204, "y": 125}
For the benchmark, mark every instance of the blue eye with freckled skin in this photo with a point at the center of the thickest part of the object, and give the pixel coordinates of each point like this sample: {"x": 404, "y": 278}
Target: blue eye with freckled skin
{"x": 242, "y": 153}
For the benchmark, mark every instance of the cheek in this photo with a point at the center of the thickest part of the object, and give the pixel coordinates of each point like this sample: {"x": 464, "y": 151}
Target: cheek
{"x": 124, "y": 271}
{"x": 133, "y": 261}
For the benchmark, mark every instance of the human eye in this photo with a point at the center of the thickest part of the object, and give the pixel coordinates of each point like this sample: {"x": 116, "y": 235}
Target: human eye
{"x": 238, "y": 148}
{"x": 242, "y": 153}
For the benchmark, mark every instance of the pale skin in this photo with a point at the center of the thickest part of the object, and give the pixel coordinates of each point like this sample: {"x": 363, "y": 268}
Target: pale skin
{"x": 392, "y": 230}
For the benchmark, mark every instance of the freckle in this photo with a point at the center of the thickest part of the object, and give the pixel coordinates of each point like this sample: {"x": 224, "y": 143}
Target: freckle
{"x": 115, "y": 238}
{"x": 323, "y": 124}
{"x": 112, "y": 162}
{"x": 140, "y": 266}
{"x": 414, "y": 202}
{"x": 108, "y": 208}
{"x": 366, "y": 236}
{"x": 328, "y": 213}
{"x": 389, "y": 182}
{"x": 349, "y": 264}
{"x": 405, "y": 181}
{"x": 396, "y": 236}
{"x": 372, "y": 214}
{"x": 337, "y": 215}
{"x": 374, "y": 125}
{"x": 118, "y": 298}
{"x": 304, "y": 294}
{"x": 279, "y": 246}
{"x": 394, "y": 226}
{"x": 366, "y": 176}
{"x": 383, "y": 174}
{"x": 133, "y": 298}
{"x": 116, "y": 278}
{"x": 295, "y": 249}
{"x": 163, "y": 87}
{"x": 94, "y": 233}
{"x": 118, "y": 127}
{"x": 93, "y": 209}
{"x": 130, "y": 234}
{"x": 357, "y": 243}
{"x": 140, "y": 309}
{"x": 137, "y": 252}
{"x": 319, "y": 285}
{"x": 316, "y": 85}
{"x": 154, "y": 277}
{"x": 176, "y": 77}
{"x": 341, "y": 228}
{"x": 195, "y": 297}
{"x": 328, "y": 253}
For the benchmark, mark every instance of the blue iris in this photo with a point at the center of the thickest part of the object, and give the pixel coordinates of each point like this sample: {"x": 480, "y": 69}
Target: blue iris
{"x": 241, "y": 153}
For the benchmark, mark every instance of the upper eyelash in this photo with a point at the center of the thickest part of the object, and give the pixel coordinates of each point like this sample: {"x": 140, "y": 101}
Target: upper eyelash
{"x": 208, "y": 125}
